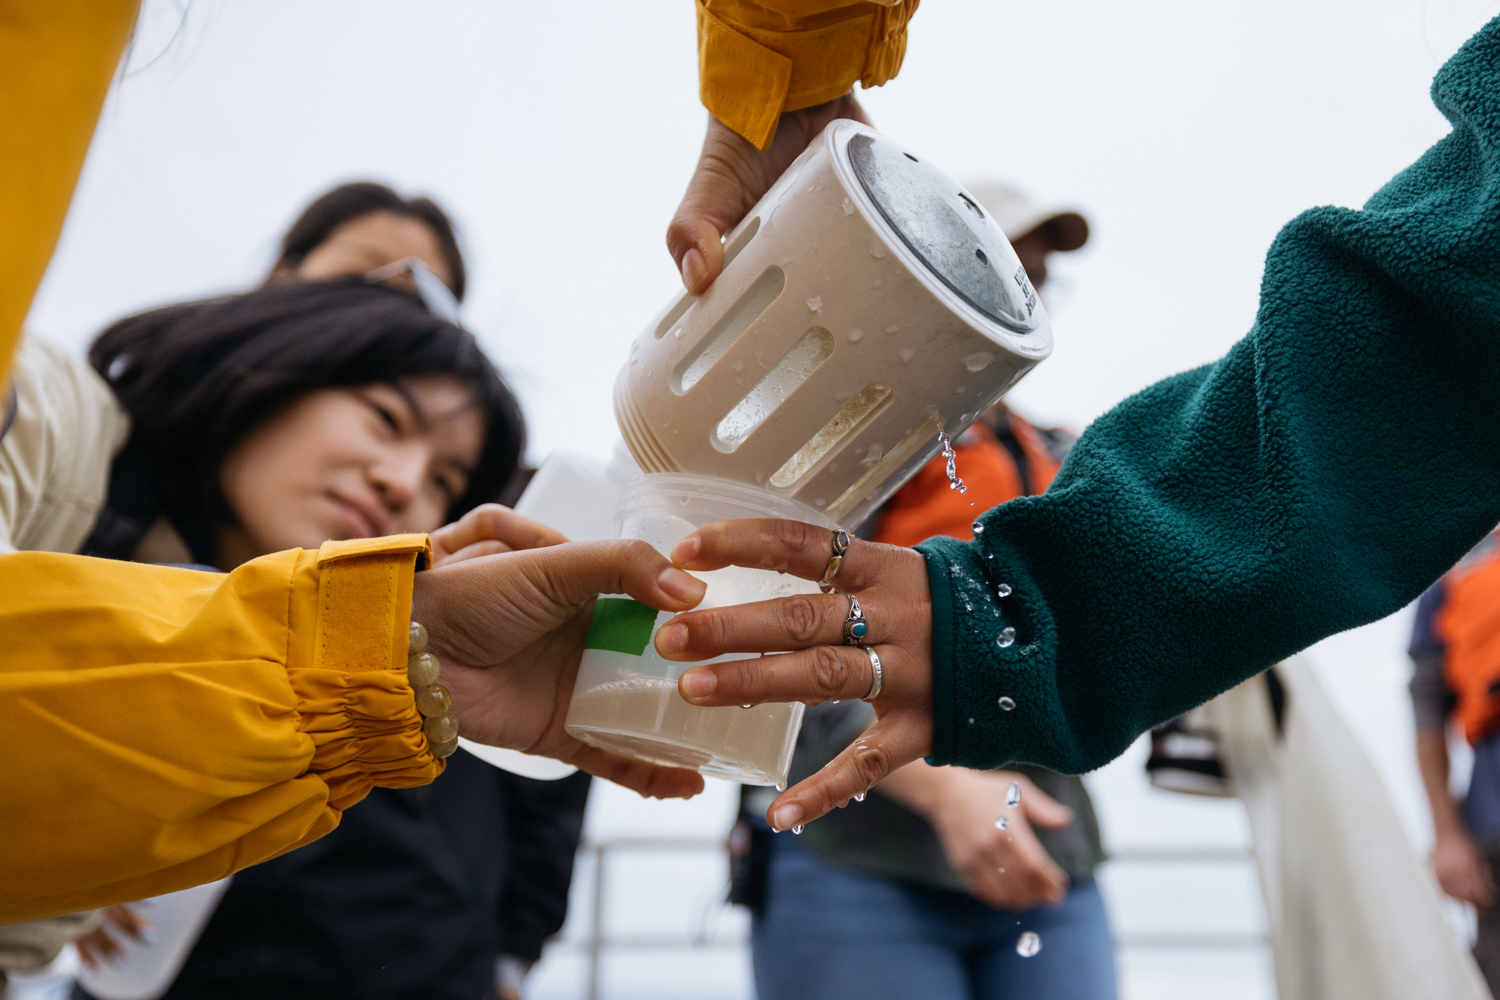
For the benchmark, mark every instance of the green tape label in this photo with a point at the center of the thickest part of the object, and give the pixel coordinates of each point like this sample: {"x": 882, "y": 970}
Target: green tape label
{"x": 622, "y": 625}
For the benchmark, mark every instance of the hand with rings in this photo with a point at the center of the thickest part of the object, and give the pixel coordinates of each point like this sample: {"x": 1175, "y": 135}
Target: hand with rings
{"x": 872, "y": 639}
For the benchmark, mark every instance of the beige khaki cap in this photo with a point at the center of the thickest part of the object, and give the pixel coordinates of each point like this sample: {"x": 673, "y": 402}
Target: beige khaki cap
{"x": 1018, "y": 215}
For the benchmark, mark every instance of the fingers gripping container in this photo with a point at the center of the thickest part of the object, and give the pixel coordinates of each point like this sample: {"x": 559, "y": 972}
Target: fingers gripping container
{"x": 867, "y": 302}
{"x": 625, "y": 698}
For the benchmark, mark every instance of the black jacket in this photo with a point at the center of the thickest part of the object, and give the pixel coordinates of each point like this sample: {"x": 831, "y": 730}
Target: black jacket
{"x": 413, "y": 896}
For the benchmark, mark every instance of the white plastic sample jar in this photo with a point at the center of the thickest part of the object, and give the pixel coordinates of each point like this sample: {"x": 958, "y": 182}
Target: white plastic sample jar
{"x": 626, "y": 700}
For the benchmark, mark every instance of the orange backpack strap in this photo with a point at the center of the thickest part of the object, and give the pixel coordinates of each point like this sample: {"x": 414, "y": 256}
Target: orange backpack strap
{"x": 1468, "y": 624}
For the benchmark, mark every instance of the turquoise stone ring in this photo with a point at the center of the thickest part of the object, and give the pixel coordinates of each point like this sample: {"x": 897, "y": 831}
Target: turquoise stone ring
{"x": 855, "y": 626}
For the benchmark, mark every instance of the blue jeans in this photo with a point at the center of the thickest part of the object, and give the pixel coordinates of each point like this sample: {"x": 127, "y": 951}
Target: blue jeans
{"x": 828, "y": 933}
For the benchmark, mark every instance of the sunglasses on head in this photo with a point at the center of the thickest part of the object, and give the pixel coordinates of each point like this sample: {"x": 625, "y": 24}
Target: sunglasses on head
{"x": 434, "y": 295}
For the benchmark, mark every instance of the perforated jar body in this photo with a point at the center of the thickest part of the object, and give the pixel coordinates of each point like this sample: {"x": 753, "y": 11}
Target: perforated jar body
{"x": 867, "y": 302}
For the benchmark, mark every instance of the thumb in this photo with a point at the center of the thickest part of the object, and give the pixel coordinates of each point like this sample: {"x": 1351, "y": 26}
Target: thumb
{"x": 727, "y": 182}
{"x": 696, "y": 247}
{"x": 576, "y": 571}
{"x": 1043, "y": 810}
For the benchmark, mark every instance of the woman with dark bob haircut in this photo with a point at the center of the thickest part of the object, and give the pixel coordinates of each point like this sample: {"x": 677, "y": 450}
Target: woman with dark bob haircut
{"x": 198, "y": 379}
{"x": 328, "y": 409}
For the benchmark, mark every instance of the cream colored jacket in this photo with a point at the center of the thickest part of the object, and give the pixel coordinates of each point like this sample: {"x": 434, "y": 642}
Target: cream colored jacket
{"x": 56, "y": 457}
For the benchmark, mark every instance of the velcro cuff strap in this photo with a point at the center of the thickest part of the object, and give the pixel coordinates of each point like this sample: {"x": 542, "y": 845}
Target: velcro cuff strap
{"x": 364, "y": 602}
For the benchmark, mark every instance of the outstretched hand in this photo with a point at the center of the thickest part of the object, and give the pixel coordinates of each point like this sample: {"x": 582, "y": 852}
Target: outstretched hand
{"x": 509, "y": 630}
{"x": 730, "y": 178}
{"x": 891, "y": 584}
{"x": 992, "y": 843}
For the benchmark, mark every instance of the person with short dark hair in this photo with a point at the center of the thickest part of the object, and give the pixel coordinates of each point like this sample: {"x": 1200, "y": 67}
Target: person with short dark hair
{"x": 362, "y": 226}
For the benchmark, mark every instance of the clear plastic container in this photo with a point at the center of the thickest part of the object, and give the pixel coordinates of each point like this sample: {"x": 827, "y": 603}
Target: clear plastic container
{"x": 626, "y": 700}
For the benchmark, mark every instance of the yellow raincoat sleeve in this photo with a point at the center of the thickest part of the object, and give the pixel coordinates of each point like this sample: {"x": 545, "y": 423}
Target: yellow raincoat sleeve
{"x": 756, "y": 60}
{"x": 167, "y": 727}
{"x": 164, "y": 727}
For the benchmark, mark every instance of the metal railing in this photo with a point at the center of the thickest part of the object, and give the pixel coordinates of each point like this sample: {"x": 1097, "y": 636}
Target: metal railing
{"x": 599, "y": 940}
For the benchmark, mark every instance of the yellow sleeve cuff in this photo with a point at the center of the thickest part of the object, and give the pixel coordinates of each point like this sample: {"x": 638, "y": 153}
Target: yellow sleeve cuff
{"x": 755, "y": 62}
{"x": 348, "y": 670}
{"x": 207, "y": 721}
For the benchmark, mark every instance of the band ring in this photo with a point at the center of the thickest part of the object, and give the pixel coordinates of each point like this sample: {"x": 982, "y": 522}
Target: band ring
{"x": 855, "y": 626}
{"x": 840, "y": 546}
{"x": 878, "y": 680}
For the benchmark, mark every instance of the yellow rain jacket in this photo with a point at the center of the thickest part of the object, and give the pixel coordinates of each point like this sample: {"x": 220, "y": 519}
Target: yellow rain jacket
{"x": 756, "y": 60}
{"x": 165, "y": 727}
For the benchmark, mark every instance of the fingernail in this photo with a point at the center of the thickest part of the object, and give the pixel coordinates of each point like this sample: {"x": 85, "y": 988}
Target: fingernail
{"x": 671, "y": 638}
{"x": 698, "y": 684}
{"x": 786, "y": 816}
{"x": 686, "y": 550}
{"x": 694, "y": 270}
{"x": 680, "y": 585}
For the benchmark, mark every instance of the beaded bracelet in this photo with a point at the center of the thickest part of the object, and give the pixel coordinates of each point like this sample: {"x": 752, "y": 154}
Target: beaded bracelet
{"x": 439, "y": 725}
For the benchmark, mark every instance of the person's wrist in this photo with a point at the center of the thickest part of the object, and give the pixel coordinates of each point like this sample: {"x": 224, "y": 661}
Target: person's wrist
{"x": 953, "y": 792}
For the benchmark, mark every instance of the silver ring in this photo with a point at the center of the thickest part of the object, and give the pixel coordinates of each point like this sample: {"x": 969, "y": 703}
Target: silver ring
{"x": 855, "y": 626}
{"x": 840, "y": 546}
{"x": 879, "y": 679}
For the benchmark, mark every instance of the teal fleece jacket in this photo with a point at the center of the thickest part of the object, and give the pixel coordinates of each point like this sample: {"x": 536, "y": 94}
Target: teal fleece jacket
{"x": 1333, "y": 464}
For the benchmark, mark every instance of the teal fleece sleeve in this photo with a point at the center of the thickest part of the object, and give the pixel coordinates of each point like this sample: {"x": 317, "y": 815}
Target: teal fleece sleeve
{"x": 1332, "y": 465}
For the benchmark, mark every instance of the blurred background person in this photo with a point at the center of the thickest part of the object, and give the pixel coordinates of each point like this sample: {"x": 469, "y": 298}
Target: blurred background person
{"x": 1455, "y": 653}
{"x": 942, "y": 883}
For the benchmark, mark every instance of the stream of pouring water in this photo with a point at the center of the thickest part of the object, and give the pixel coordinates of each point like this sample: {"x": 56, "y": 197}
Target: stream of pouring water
{"x": 954, "y": 482}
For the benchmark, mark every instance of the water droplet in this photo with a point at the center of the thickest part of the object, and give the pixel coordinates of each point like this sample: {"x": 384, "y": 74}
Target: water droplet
{"x": 860, "y": 797}
{"x": 978, "y": 528}
{"x": 856, "y": 335}
{"x": 821, "y": 501}
{"x": 1029, "y": 944}
{"x": 1003, "y": 590}
{"x": 1000, "y": 870}
{"x": 978, "y": 361}
{"x": 744, "y": 706}
{"x": 1002, "y": 822}
{"x": 892, "y": 328}
{"x": 781, "y": 786}
{"x": 877, "y": 251}
{"x": 968, "y": 605}
{"x": 1006, "y": 638}
{"x": 815, "y": 303}
{"x": 949, "y": 455}
{"x": 848, "y": 207}
{"x": 797, "y": 829}
{"x": 1007, "y": 703}
{"x": 677, "y": 333}
{"x": 1013, "y": 794}
{"x": 971, "y": 722}
{"x": 906, "y": 355}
